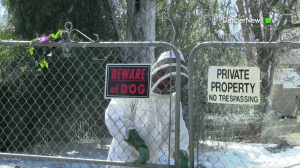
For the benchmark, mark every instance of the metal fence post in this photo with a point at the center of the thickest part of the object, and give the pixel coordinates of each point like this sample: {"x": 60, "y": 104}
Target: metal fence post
{"x": 177, "y": 118}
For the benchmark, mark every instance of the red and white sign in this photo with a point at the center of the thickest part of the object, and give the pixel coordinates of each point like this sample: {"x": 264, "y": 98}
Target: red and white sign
{"x": 127, "y": 81}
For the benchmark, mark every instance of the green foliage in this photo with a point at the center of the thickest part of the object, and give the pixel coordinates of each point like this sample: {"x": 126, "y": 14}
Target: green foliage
{"x": 173, "y": 26}
{"x": 45, "y": 17}
{"x": 45, "y": 92}
{"x": 8, "y": 54}
{"x": 185, "y": 25}
{"x": 43, "y": 64}
{"x": 24, "y": 68}
{"x": 297, "y": 113}
{"x": 277, "y": 5}
{"x": 30, "y": 50}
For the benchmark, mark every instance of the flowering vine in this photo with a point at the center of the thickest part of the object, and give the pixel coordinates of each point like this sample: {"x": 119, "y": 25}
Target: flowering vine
{"x": 43, "y": 39}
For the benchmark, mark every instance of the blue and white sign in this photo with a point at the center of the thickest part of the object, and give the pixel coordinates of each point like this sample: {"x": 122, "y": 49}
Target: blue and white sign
{"x": 290, "y": 80}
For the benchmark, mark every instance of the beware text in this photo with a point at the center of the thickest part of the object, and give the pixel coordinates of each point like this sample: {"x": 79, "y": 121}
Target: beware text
{"x": 130, "y": 81}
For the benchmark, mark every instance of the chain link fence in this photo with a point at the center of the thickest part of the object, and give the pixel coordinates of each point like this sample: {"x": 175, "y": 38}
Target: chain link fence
{"x": 55, "y": 116}
{"x": 235, "y": 135}
{"x": 53, "y": 107}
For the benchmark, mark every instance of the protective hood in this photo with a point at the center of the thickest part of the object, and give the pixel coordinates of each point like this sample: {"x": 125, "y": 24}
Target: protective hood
{"x": 163, "y": 75}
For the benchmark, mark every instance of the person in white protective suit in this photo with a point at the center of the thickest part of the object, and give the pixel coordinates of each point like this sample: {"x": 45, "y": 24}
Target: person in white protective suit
{"x": 140, "y": 127}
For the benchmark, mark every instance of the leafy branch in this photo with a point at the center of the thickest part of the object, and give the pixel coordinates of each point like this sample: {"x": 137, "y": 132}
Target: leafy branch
{"x": 43, "y": 39}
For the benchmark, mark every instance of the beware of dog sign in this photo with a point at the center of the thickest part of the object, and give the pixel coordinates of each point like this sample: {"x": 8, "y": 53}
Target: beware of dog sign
{"x": 127, "y": 81}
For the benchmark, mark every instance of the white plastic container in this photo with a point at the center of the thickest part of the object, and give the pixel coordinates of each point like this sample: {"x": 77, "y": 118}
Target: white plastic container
{"x": 298, "y": 119}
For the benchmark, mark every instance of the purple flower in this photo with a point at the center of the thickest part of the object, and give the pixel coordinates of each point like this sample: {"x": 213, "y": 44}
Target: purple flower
{"x": 43, "y": 39}
{"x": 50, "y": 37}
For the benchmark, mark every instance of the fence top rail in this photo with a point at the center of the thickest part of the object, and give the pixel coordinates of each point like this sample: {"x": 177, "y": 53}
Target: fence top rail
{"x": 93, "y": 44}
{"x": 252, "y": 44}
{"x": 241, "y": 44}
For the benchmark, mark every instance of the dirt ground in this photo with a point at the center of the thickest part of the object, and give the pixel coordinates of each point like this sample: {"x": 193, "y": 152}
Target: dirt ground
{"x": 293, "y": 137}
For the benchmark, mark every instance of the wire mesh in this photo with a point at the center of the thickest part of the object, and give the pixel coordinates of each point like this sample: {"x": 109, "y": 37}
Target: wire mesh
{"x": 58, "y": 113}
{"x": 235, "y": 135}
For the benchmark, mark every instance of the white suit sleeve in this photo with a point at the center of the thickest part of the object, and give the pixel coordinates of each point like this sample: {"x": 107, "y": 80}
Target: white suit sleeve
{"x": 118, "y": 118}
{"x": 184, "y": 134}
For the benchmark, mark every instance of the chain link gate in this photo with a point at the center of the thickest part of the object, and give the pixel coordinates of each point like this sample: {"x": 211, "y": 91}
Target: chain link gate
{"x": 57, "y": 114}
{"x": 232, "y": 135}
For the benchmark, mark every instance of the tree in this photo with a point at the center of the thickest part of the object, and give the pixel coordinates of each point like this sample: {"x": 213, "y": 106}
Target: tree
{"x": 283, "y": 15}
{"x": 179, "y": 24}
{"x": 65, "y": 93}
{"x": 140, "y": 27}
{"x": 34, "y": 108}
{"x": 44, "y": 17}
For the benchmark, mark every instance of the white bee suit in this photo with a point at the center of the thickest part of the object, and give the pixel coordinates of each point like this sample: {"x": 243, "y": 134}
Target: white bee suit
{"x": 151, "y": 119}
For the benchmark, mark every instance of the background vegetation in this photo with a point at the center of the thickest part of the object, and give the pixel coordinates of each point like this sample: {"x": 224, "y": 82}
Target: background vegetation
{"x": 69, "y": 93}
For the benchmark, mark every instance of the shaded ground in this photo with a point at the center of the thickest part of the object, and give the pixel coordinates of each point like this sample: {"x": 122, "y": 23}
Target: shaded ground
{"x": 227, "y": 155}
{"x": 75, "y": 150}
{"x": 293, "y": 137}
{"x": 247, "y": 155}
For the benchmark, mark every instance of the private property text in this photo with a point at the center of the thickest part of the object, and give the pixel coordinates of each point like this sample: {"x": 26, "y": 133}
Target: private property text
{"x": 233, "y": 85}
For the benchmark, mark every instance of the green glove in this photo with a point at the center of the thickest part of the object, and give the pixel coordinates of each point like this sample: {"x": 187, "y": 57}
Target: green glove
{"x": 139, "y": 144}
{"x": 184, "y": 160}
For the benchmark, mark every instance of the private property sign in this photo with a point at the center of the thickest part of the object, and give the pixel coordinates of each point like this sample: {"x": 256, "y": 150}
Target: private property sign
{"x": 234, "y": 85}
{"x": 127, "y": 81}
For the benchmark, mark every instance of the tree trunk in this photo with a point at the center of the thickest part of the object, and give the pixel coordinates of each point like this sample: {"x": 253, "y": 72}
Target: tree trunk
{"x": 245, "y": 30}
{"x": 140, "y": 27}
{"x": 265, "y": 57}
{"x": 114, "y": 21}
